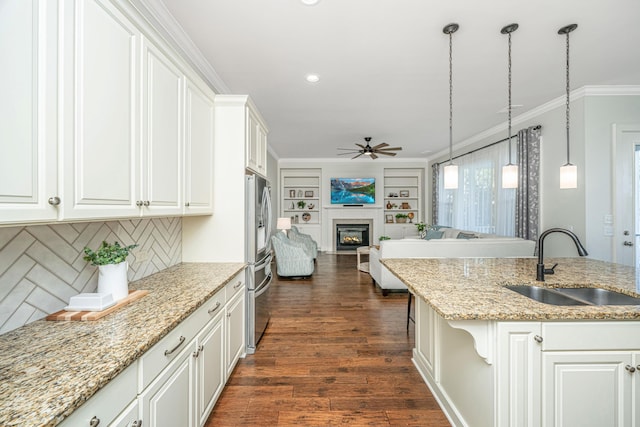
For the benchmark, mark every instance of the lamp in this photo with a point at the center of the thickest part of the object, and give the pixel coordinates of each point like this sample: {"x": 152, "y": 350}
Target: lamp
{"x": 284, "y": 224}
{"x": 509, "y": 171}
{"x": 568, "y": 171}
{"x": 450, "y": 170}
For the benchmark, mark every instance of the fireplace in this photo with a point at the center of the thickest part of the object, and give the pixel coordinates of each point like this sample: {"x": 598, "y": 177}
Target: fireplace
{"x": 349, "y": 237}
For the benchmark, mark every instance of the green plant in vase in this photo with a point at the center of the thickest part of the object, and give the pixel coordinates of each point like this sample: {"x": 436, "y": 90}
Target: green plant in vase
{"x": 301, "y": 204}
{"x": 422, "y": 229}
{"x": 401, "y": 218}
{"x": 112, "y": 268}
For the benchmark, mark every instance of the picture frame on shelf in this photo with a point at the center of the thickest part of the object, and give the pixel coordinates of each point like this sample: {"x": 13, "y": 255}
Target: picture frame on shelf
{"x": 308, "y": 193}
{"x": 404, "y": 193}
{"x": 292, "y": 193}
{"x": 388, "y": 219}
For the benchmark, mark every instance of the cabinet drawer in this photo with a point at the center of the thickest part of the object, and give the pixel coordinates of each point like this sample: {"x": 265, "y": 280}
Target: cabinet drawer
{"x": 235, "y": 285}
{"x": 161, "y": 354}
{"x": 107, "y": 403}
{"x": 601, "y": 335}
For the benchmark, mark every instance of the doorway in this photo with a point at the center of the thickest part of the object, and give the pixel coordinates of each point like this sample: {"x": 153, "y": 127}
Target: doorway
{"x": 627, "y": 194}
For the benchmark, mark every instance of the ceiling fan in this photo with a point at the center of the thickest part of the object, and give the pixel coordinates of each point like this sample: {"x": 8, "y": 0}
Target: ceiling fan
{"x": 368, "y": 150}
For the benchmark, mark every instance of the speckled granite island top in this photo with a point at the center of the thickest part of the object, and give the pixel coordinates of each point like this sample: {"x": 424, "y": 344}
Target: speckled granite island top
{"x": 474, "y": 288}
{"x": 49, "y": 369}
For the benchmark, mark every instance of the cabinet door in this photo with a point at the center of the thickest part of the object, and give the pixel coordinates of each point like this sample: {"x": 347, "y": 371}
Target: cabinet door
{"x": 210, "y": 378}
{"x": 199, "y": 151}
{"x": 586, "y": 389}
{"x": 169, "y": 400}
{"x": 518, "y": 381}
{"x": 252, "y": 141}
{"x": 100, "y": 112}
{"x": 162, "y": 133}
{"x": 129, "y": 417}
{"x": 28, "y": 105}
{"x": 235, "y": 329}
{"x": 262, "y": 150}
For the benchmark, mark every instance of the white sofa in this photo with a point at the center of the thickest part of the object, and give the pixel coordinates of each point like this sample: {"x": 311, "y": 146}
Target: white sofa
{"x": 486, "y": 246}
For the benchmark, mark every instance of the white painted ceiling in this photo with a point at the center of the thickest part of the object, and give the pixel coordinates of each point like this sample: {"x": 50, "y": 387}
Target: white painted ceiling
{"x": 383, "y": 64}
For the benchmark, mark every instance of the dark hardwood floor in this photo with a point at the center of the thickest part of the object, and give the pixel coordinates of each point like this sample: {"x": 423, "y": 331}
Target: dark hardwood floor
{"x": 336, "y": 352}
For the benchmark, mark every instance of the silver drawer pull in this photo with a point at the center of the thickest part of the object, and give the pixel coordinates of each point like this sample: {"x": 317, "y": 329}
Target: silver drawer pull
{"x": 630, "y": 368}
{"x": 537, "y": 338}
{"x": 95, "y": 421}
{"x": 55, "y": 201}
{"x": 214, "y": 308}
{"x": 168, "y": 352}
{"x": 137, "y": 423}
{"x": 237, "y": 285}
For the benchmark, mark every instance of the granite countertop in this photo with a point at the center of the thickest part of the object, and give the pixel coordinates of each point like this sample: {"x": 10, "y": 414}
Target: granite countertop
{"x": 48, "y": 369}
{"x": 473, "y": 288}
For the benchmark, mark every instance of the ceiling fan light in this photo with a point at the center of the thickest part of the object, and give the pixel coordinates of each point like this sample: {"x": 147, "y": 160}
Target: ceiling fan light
{"x": 510, "y": 176}
{"x": 312, "y": 78}
{"x": 451, "y": 177}
{"x": 568, "y": 176}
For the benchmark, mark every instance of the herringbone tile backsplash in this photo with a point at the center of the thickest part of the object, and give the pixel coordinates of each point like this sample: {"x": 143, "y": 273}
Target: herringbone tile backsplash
{"x": 41, "y": 266}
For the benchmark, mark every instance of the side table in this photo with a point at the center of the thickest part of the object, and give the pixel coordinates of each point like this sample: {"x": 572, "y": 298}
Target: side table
{"x": 362, "y": 266}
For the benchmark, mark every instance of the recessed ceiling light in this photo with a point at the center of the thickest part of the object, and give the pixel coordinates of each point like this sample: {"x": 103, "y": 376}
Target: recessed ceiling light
{"x": 312, "y": 78}
{"x": 310, "y": 2}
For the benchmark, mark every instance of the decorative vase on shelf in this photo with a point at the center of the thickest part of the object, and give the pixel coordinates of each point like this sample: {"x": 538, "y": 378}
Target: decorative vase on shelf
{"x": 112, "y": 279}
{"x": 299, "y": 193}
{"x": 388, "y": 205}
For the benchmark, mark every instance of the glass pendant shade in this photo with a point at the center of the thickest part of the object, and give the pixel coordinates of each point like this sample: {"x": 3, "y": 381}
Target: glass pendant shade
{"x": 510, "y": 176}
{"x": 451, "y": 177}
{"x": 568, "y": 176}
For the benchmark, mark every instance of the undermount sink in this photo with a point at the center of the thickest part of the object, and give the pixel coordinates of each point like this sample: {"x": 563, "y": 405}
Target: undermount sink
{"x": 574, "y": 296}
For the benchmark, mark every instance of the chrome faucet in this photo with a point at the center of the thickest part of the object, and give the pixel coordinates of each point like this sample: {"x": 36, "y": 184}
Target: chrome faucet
{"x": 541, "y": 271}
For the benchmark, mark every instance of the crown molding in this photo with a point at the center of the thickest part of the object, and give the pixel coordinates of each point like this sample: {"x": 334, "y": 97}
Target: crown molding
{"x": 161, "y": 19}
{"x": 582, "y": 92}
{"x": 361, "y": 160}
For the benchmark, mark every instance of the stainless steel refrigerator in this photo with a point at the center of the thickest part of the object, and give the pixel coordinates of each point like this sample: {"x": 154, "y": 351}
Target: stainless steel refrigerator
{"x": 259, "y": 218}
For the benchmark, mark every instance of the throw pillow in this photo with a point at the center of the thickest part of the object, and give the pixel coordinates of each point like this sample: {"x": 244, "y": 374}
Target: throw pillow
{"x": 433, "y": 234}
{"x": 467, "y": 236}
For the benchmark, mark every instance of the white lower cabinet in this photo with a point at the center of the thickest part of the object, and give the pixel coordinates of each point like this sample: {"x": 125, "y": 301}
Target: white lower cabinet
{"x": 587, "y": 389}
{"x": 210, "y": 368}
{"x": 169, "y": 400}
{"x": 235, "y": 328}
{"x": 130, "y": 417}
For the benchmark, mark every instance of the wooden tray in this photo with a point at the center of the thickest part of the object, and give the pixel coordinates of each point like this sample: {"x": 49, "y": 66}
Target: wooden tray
{"x": 95, "y": 315}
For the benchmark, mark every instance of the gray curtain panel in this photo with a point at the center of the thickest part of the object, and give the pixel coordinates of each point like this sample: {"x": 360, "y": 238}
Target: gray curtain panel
{"x": 435, "y": 177}
{"x": 527, "y": 194}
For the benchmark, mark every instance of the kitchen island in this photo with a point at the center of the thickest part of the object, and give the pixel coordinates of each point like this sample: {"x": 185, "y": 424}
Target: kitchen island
{"x": 493, "y": 357}
{"x": 49, "y": 369}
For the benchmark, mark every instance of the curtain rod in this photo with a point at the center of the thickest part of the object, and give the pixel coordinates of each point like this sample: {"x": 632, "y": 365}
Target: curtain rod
{"x": 483, "y": 147}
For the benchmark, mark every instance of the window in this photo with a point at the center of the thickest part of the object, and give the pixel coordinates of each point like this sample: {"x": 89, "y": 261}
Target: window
{"x": 480, "y": 203}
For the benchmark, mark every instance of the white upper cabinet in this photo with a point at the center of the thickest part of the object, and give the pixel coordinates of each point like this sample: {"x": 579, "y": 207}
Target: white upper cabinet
{"x": 162, "y": 133}
{"x": 199, "y": 150}
{"x": 100, "y": 112}
{"x": 256, "y": 142}
{"x": 28, "y": 141}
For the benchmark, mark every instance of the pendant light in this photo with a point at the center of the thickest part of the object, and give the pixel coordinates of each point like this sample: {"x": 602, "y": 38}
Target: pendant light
{"x": 450, "y": 170}
{"x": 568, "y": 171}
{"x": 509, "y": 171}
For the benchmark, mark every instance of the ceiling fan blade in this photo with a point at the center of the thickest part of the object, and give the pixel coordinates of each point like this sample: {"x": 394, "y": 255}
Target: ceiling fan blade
{"x": 357, "y": 156}
{"x": 348, "y": 153}
{"x": 360, "y": 145}
{"x": 386, "y": 154}
{"x": 384, "y": 144}
{"x": 373, "y": 156}
{"x": 390, "y": 149}
{"x": 350, "y": 149}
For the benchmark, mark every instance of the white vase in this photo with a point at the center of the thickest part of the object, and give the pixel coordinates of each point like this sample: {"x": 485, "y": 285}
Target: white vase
{"x": 112, "y": 279}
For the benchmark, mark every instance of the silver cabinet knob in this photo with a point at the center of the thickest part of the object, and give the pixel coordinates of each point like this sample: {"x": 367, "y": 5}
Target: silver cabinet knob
{"x": 146, "y": 203}
{"x": 95, "y": 421}
{"x": 537, "y": 338}
{"x": 54, "y": 201}
{"x": 138, "y": 203}
{"x": 137, "y": 423}
{"x": 627, "y": 243}
{"x": 630, "y": 368}
{"x": 187, "y": 204}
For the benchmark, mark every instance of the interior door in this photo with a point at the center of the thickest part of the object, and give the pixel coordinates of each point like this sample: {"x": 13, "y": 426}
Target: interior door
{"x": 626, "y": 165}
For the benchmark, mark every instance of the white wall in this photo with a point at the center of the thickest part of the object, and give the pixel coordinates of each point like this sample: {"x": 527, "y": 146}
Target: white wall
{"x": 581, "y": 209}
